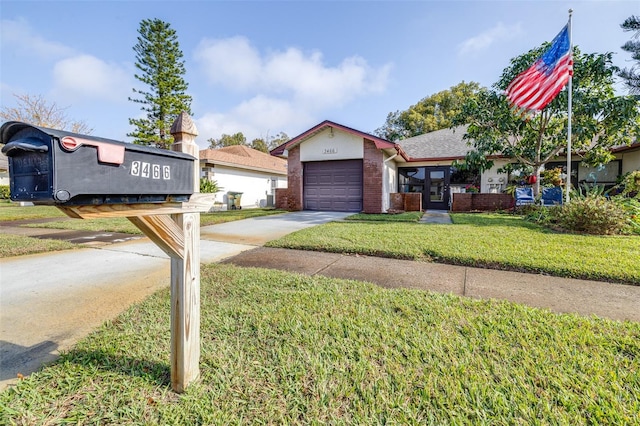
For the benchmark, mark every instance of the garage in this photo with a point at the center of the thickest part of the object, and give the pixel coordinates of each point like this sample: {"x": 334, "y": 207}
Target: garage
{"x": 333, "y": 185}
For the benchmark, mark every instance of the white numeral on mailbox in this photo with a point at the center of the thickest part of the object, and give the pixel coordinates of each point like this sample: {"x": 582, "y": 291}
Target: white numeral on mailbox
{"x": 146, "y": 170}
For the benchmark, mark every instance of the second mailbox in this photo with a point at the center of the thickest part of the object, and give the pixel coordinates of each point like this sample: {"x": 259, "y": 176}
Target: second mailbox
{"x": 49, "y": 166}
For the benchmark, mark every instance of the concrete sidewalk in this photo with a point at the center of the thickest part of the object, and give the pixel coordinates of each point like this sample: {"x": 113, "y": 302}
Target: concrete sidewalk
{"x": 561, "y": 295}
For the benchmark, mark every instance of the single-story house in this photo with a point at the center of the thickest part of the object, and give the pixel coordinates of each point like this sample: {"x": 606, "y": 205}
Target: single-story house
{"x": 4, "y": 170}
{"x": 241, "y": 169}
{"x": 335, "y": 167}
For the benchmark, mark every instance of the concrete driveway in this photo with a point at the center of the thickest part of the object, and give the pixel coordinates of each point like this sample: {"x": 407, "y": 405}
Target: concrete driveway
{"x": 49, "y": 301}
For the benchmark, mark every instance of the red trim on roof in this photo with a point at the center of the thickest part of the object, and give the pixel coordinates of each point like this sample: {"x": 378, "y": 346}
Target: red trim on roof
{"x": 458, "y": 157}
{"x": 380, "y": 143}
{"x": 626, "y": 148}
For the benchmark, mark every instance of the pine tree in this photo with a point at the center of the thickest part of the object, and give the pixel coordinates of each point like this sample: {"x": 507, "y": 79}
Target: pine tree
{"x": 632, "y": 75}
{"x": 159, "y": 60}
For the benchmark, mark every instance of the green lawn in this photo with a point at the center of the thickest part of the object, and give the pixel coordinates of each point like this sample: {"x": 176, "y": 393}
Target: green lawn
{"x": 282, "y": 348}
{"x": 18, "y": 245}
{"x": 12, "y": 211}
{"x": 14, "y": 245}
{"x": 482, "y": 240}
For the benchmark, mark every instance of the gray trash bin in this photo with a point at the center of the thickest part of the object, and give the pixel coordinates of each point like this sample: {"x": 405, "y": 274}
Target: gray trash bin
{"x": 233, "y": 200}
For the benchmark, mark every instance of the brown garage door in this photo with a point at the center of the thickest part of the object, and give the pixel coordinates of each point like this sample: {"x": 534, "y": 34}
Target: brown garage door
{"x": 333, "y": 186}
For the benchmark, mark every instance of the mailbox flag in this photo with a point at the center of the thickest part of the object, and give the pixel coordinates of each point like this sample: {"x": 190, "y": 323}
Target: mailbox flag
{"x": 535, "y": 87}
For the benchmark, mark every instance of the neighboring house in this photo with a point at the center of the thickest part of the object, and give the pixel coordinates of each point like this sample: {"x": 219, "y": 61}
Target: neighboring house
{"x": 335, "y": 167}
{"x": 4, "y": 170}
{"x": 242, "y": 169}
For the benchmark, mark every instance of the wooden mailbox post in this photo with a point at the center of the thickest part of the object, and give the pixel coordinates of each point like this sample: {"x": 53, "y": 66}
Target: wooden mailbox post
{"x": 173, "y": 226}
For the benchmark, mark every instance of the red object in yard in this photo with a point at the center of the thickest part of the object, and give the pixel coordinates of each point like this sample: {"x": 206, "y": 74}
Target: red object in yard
{"x": 532, "y": 179}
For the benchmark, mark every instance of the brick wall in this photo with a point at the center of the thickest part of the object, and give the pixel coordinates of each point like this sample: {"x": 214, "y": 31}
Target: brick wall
{"x": 294, "y": 180}
{"x": 413, "y": 201}
{"x": 282, "y": 199}
{"x": 372, "y": 171}
{"x": 405, "y": 201}
{"x": 467, "y": 202}
{"x": 396, "y": 201}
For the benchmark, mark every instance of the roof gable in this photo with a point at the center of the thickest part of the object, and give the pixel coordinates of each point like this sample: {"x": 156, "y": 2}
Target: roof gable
{"x": 379, "y": 142}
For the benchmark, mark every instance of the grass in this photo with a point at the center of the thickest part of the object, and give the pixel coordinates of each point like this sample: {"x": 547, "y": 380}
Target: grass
{"x": 116, "y": 224}
{"x": 10, "y": 211}
{"x": 12, "y": 245}
{"x": 231, "y": 215}
{"x": 481, "y": 240}
{"x": 282, "y": 348}
{"x": 400, "y": 217}
{"x": 18, "y": 245}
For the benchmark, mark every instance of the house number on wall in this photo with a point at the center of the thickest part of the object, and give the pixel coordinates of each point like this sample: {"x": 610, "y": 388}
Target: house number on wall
{"x": 330, "y": 151}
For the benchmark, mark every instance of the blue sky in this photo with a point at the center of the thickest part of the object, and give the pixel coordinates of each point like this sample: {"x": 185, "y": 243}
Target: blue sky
{"x": 264, "y": 67}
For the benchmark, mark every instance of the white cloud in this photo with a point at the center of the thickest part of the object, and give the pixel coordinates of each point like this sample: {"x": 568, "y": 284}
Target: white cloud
{"x": 18, "y": 36}
{"x": 231, "y": 62}
{"x": 258, "y": 117}
{"x": 86, "y": 76}
{"x": 483, "y": 41}
{"x": 286, "y": 90}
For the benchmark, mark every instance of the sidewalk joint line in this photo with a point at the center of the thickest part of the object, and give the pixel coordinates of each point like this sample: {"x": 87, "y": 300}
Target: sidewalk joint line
{"x": 464, "y": 284}
{"x": 326, "y": 266}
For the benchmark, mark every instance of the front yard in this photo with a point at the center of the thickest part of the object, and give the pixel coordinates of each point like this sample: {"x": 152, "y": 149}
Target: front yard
{"x": 282, "y": 348}
{"x": 483, "y": 240}
{"x": 17, "y": 245}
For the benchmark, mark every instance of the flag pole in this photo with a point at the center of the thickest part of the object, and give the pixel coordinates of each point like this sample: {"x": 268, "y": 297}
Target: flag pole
{"x": 569, "y": 88}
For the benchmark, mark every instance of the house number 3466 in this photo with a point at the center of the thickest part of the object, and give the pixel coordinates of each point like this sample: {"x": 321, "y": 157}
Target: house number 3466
{"x": 149, "y": 170}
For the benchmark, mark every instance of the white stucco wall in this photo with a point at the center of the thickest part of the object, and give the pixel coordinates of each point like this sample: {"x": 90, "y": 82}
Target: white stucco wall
{"x": 493, "y": 182}
{"x": 389, "y": 181}
{"x": 630, "y": 161}
{"x": 325, "y": 147}
{"x": 254, "y": 185}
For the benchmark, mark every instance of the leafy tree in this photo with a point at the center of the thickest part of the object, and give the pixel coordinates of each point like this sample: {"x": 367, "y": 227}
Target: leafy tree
{"x": 277, "y": 140}
{"x": 632, "y": 75}
{"x": 260, "y": 145}
{"x": 228, "y": 140}
{"x": 434, "y": 112}
{"x": 159, "y": 60}
{"x": 35, "y": 110}
{"x": 600, "y": 119}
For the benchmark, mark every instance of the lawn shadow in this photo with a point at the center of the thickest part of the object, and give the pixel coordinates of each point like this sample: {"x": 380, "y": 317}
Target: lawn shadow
{"x": 156, "y": 373}
{"x": 17, "y": 359}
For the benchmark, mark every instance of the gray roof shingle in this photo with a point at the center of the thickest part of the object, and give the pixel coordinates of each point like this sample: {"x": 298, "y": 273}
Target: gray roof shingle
{"x": 445, "y": 143}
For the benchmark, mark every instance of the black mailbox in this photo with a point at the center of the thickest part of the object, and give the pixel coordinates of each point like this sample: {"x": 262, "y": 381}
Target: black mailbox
{"x": 49, "y": 166}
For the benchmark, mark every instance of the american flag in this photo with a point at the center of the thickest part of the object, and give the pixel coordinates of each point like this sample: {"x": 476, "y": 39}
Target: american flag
{"x": 535, "y": 87}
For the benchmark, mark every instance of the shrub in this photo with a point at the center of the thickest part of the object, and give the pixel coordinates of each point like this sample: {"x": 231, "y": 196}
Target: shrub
{"x": 594, "y": 215}
{"x": 541, "y": 215}
{"x": 631, "y": 184}
{"x": 551, "y": 177}
{"x": 5, "y": 193}
{"x": 209, "y": 186}
{"x": 631, "y": 206}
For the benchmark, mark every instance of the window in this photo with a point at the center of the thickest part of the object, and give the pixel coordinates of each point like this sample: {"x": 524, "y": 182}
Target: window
{"x": 411, "y": 179}
{"x": 463, "y": 177}
{"x": 607, "y": 173}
